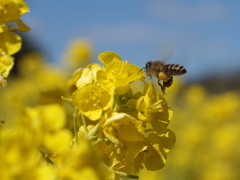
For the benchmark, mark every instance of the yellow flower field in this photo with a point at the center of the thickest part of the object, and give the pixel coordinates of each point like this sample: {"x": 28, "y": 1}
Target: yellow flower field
{"x": 106, "y": 120}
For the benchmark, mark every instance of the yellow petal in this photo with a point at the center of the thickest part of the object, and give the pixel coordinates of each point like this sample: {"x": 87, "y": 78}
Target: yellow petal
{"x": 3, "y": 27}
{"x": 79, "y": 52}
{"x": 22, "y": 26}
{"x": 130, "y": 133}
{"x": 6, "y": 64}
{"x": 3, "y": 82}
{"x": 58, "y": 142}
{"x": 111, "y": 134}
{"x": 53, "y": 116}
{"x": 83, "y": 77}
{"x": 155, "y": 156}
{"x": 91, "y": 100}
{"x": 22, "y": 5}
{"x": 107, "y": 56}
{"x": 10, "y": 42}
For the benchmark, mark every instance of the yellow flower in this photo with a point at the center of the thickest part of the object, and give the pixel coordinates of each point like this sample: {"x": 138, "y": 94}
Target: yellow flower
{"x": 6, "y": 64}
{"x": 3, "y": 82}
{"x": 118, "y": 72}
{"x": 3, "y": 28}
{"x": 11, "y": 10}
{"x": 30, "y": 64}
{"x": 157, "y": 147}
{"x": 20, "y": 156}
{"x": 150, "y": 103}
{"x": 107, "y": 56}
{"x": 92, "y": 100}
{"x": 134, "y": 144}
{"x": 122, "y": 127}
{"x": 10, "y": 42}
{"x": 115, "y": 73}
{"x": 86, "y": 76}
{"x": 83, "y": 162}
{"x": 133, "y": 117}
{"x": 22, "y": 26}
{"x": 79, "y": 53}
{"x": 47, "y": 126}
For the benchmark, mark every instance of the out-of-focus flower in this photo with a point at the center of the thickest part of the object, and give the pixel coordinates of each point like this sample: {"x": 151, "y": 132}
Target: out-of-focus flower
{"x": 78, "y": 54}
{"x": 10, "y": 43}
{"x": 83, "y": 163}
{"x": 38, "y": 147}
{"x": 20, "y": 156}
{"x": 6, "y": 64}
{"x": 48, "y": 121}
{"x": 3, "y": 82}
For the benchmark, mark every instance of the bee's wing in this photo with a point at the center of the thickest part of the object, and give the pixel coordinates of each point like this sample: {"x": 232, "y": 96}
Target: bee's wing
{"x": 166, "y": 50}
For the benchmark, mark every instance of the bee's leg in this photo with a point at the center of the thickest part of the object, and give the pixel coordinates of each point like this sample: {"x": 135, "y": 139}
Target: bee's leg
{"x": 162, "y": 86}
{"x": 168, "y": 82}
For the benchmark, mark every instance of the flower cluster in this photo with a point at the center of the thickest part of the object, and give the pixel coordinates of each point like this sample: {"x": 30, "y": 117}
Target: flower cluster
{"x": 125, "y": 117}
{"x": 10, "y": 12}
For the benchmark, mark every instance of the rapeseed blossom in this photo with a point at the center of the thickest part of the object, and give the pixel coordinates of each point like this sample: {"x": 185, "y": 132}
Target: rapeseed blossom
{"x": 10, "y": 11}
{"x": 130, "y": 129}
{"x": 78, "y": 54}
{"x": 121, "y": 129}
{"x": 120, "y": 122}
{"x": 207, "y": 145}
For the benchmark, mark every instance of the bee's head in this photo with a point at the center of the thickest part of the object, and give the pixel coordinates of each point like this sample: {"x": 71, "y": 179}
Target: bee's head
{"x": 148, "y": 65}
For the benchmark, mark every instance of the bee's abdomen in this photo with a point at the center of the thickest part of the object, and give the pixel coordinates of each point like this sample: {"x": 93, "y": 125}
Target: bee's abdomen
{"x": 174, "y": 69}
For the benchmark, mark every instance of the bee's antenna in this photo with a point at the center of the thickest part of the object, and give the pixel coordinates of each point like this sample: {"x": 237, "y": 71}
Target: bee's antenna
{"x": 141, "y": 70}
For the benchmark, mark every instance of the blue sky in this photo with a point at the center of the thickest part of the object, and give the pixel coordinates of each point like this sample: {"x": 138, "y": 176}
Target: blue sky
{"x": 204, "y": 35}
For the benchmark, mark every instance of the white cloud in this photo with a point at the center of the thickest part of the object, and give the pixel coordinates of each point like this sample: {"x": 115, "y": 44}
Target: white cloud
{"x": 180, "y": 10}
{"x": 120, "y": 33}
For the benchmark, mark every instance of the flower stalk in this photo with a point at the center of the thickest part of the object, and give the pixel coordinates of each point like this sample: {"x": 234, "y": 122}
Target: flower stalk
{"x": 75, "y": 129}
{"x": 125, "y": 175}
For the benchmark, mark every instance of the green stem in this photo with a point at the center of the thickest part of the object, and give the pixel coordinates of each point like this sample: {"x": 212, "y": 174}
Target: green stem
{"x": 122, "y": 174}
{"x": 75, "y": 124}
{"x": 97, "y": 140}
{"x": 93, "y": 131}
{"x": 84, "y": 124}
{"x": 47, "y": 159}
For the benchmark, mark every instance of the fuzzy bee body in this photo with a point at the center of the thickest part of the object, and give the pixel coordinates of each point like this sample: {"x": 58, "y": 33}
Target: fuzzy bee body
{"x": 173, "y": 69}
{"x": 163, "y": 72}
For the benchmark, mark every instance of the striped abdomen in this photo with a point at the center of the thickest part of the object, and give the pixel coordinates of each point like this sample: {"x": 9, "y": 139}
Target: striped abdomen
{"x": 174, "y": 69}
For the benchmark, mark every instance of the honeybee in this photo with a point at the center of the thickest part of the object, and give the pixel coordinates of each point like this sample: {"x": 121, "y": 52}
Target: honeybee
{"x": 164, "y": 72}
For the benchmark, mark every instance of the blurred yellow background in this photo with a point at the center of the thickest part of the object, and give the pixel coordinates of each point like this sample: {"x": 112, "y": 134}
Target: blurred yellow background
{"x": 206, "y": 124}
{"x": 207, "y": 130}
